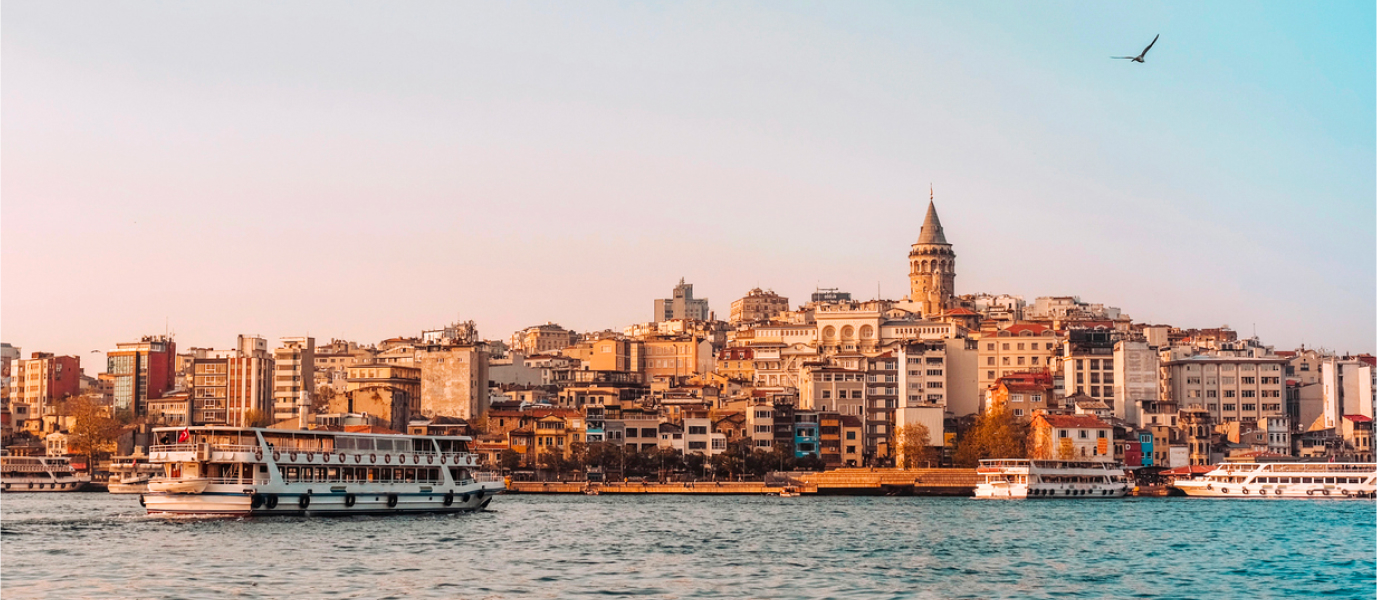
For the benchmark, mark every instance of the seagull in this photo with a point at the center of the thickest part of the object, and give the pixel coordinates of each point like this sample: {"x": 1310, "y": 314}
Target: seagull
{"x": 1139, "y": 58}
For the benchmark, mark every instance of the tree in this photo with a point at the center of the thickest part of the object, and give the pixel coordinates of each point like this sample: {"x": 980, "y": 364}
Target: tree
{"x": 914, "y": 444}
{"x": 695, "y": 463}
{"x": 479, "y": 425}
{"x": 810, "y": 462}
{"x": 320, "y": 401}
{"x": 94, "y": 430}
{"x": 510, "y": 460}
{"x": 995, "y": 434}
{"x": 257, "y": 418}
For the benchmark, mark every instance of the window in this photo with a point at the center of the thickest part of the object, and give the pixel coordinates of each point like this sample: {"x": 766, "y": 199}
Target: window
{"x": 1018, "y": 412}
{"x": 1020, "y": 346}
{"x": 1229, "y": 407}
{"x": 1020, "y": 360}
{"x": 989, "y": 360}
{"x": 1249, "y": 407}
{"x": 851, "y": 435}
{"x": 1228, "y": 393}
{"x": 698, "y": 430}
{"x": 989, "y": 375}
{"x": 1006, "y": 346}
{"x": 1005, "y": 361}
{"x": 1061, "y": 433}
{"x": 1248, "y": 380}
{"x": 1249, "y": 393}
{"x": 1101, "y": 432}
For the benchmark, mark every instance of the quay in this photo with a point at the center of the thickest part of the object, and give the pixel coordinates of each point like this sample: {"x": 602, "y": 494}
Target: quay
{"x": 857, "y": 482}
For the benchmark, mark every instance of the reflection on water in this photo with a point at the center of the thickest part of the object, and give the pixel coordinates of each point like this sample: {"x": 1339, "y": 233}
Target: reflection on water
{"x": 102, "y": 546}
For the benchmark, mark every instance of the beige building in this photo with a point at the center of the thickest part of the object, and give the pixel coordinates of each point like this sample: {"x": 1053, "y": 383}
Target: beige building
{"x": 389, "y": 391}
{"x": 932, "y": 267}
{"x": 758, "y": 305}
{"x": 677, "y": 357}
{"x": 294, "y": 376}
{"x": 454, "y": 380}
{"x": 682, "y": 305}
{"x": 1021, "y": 348}
{"x": 1229, "y": 388}
{"x": 542, "y": 339}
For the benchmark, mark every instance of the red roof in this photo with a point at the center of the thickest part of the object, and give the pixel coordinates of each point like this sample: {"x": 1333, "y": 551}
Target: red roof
{"x": 1369, "y": 359}
{"x": 1073, "y": 421}
{"x": 961, "y": 312}
{"x": 1359, "y": 418}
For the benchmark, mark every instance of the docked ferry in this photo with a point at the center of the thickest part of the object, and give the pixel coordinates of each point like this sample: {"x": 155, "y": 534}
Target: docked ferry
{"x": 1030, "y": 478}
{"x": 1285, "y": 480}
{"x": 39, "y": 474}
{"x": 131, "y": 474}
{"x": 252, "y": 471}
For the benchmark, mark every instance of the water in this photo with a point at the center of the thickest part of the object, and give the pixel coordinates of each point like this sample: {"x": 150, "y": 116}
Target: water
{"x": 102, "y": 546}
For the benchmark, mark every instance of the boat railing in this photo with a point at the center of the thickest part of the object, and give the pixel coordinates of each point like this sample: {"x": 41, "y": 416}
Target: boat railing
{"x": 214, "y": 480}
{"x": 487, "y": 476}
{"x": 172, "y": 448}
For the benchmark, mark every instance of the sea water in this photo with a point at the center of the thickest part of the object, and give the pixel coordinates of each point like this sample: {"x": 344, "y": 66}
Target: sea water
{"x": 90, "y": 545}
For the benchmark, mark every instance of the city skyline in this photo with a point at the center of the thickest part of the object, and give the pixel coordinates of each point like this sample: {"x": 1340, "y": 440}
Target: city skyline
{"x": 304, "y": 185}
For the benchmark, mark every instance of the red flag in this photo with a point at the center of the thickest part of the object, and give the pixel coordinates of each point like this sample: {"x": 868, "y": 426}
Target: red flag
{"x": 184, "y": 436}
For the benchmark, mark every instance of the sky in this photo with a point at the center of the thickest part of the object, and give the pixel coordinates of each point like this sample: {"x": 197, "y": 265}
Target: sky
{"x": 362, "y": 170}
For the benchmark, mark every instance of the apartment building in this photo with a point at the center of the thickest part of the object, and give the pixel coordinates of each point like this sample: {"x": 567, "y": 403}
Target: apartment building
{"x": 294, "y": 376}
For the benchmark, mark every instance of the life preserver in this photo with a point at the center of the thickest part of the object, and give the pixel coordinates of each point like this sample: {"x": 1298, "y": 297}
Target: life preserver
{"x": 449, "y": 498}
{"x": 310, "y": 456}
{"x": 304, "y": 501}
{"x": 1245, "y": 491}
{"x": 348, "y": 500}
{"x": 277, "y": 456}
{"x": 373, "y": 458}
{"x": 258, "y": 454}
{"x": 1276, "y": 491}
{"x": 1325, "y": 492}
{"x": 270, "y": 502}
{"x": 464, "y": 498}
{"x": 430, "y": 459}
{"x": 444, "y": 458}
{"x": 1345, "y": 493}
{"x": 255, "y": 500}
{"x": 1310, "y": 492}
{"x": 293, "y": 455}
{"x": 1209, "y": 486}
{"x": 341, "y": 457}
{"x": 401, "y": 459}
{"x": 325, "y": 456}
{"x": 358, "y": 458}
{"x": 392, "y": 501}
{"x": 1223, "y": 490}
{"x": 416, "y": 458}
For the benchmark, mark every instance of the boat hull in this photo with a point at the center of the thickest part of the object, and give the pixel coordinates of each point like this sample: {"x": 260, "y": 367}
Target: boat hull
{"x": 25, "y": 486}
{"x": 334, "y": 503}
{"x": 1201, "y": 489}
{"x": 1049, "y": 492}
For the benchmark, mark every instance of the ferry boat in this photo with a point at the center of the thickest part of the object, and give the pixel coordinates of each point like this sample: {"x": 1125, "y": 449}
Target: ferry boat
{"x": 252, "y": 471}
{"x": 1285, "y": 480}
{"x": 131, "y": 474}
{"x": 39, "y": 474}
{"x": 1031, "y": 478}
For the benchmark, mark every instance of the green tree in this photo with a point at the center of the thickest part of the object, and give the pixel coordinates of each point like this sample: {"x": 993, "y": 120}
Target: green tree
{"x": 810, "y": 462}
{"x": 995, "y": 434}
{"x": 696, "y": 463}
{"x": 257, "y": 418}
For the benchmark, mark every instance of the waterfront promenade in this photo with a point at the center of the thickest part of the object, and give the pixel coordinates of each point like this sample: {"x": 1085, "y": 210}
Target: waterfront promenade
{"x": 861, "y": 482}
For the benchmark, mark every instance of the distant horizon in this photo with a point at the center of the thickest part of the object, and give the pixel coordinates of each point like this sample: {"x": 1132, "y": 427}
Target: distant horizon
{"x": 369, "y": 171}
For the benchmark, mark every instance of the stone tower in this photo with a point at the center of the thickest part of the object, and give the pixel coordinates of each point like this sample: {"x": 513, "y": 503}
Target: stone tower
{"x": 932, "y": 267}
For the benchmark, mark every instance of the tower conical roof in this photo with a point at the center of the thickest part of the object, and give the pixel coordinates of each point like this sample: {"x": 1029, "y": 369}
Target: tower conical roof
{"x": 932, "y": 228}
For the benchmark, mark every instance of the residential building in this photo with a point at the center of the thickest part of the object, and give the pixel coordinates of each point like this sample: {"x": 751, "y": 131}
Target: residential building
{"x": 806, "y": 440}
{"x": 677, "y": 357}
{"x": 1088, "y": 364}
{"x": 8, "y": 355}
{"x": 142, "y": 371}
{"x": 1025, "y": 394}
{"x": 853, "y": 441}
{"x": 454, "y": 372}
{"x": 1019, "y": 348}
{"x": 737, "y": 363}
{"x": 294, "y": 377}
{"x": 932, "y": 267}
{"x": 1135, "y": 377}
{"x": 232, "y": 387}
{"x": 389, "y": 391}
{"x": 1228, "y": 387}
{"x": 542, "y": 339}
{"x": 1071, "y": 437}
{"x": 40, "y": 381}
{"x": 682, "y": 305}
{"x": 1347, "y": 385}
{"x": 756, "y": 306}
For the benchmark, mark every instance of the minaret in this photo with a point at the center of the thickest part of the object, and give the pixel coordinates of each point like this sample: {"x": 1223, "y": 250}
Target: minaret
{"x": 932, "y": 267}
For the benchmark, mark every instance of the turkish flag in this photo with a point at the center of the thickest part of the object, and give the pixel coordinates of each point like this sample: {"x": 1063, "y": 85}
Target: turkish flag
{"x": 183, "y": 436}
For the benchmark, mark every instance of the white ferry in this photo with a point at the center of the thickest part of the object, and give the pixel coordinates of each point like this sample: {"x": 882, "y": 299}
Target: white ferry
{"x": 39, "y": 474}
{"x": 251, "y": 471}
{"x": 1031, "y": 478}
{"x": 131, "y": 474}
{"x": 1285, "y": 480}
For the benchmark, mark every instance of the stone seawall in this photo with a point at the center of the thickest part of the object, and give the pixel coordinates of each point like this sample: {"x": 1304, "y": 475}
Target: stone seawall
{"x": 878, "y": 482}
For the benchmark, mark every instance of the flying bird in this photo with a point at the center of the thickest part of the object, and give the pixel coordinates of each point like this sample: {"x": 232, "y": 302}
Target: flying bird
{"x": 1139, "y": 58}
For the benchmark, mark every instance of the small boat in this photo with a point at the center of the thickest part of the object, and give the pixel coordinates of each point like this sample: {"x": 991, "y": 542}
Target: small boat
{"x": 1022, "y": 478}
{"x": 39, "y": 474}
{"x": 1285, "y": 480}
{"x": 131, "y": 474}
{"x": 178, "y": 486}
{"x": 788, "y": 492}
{"x": 592, "y": 491}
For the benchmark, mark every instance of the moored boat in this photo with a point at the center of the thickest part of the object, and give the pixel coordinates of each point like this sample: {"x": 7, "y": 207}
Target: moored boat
{"x": 252, "y": 471}
{"x": 1285, "y": 480}
{"x": 39, "y": 474}
{"x": 1021, "y": 478}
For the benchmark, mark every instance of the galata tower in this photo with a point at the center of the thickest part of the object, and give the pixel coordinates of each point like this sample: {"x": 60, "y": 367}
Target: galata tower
{"x": 932, "y": 268}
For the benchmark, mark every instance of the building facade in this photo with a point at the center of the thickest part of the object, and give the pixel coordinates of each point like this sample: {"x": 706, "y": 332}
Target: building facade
{"x": 932, "y": 267}
{"x": 758, "y": 305}
{"x": 682, "y": 305}
{"x": 294, "y": 376}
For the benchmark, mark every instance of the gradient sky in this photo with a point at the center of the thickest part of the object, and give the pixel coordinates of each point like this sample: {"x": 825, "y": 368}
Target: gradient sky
{"x": 364, "y": 170}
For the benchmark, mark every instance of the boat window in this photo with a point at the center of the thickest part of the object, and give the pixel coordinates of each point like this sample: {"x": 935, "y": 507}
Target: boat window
{"x": 385, "y": 475}
{"x": 344, "y": 443}
{"x": 332, "y": 474}
{"x": 291, "y": 474}
{"x": 401, "y": 445}
{"x": 308, "y": 474}
{"x": 383, "y": 445}
{"x": 410, "y": 475}
{"x": 1329, "y": 480}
